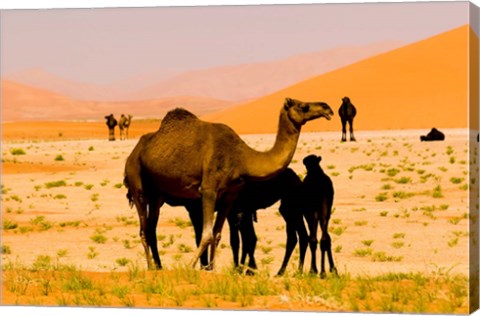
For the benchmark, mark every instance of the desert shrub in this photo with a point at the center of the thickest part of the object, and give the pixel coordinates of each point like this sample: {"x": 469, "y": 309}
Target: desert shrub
{"x": 455, "y": 180}
{"x": 98, "y": 238}
{"x": 5, "y": 249}
{"x": 8, "y": 224}
{"x": 381, "y": 197}
{"x": 437, "y": 192}
{"x": 122, "y": 261}
{"x": 17, "y": 151}
{"x": 55, "y": 184}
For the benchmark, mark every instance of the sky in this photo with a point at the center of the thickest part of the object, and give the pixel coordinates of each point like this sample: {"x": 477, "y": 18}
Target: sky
{"x": 106, "y": 45}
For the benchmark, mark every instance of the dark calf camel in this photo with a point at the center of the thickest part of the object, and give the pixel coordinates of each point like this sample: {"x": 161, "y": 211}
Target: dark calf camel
{"x": 111, "y": 123}
{"x": 311, "y": 199}
{"x": 347, "y": 112}
{"x": 261, "y": 195}
{"x": 433, "y": 135}
{"x": 192, "y": 159}
{"x": 318, "y": 200}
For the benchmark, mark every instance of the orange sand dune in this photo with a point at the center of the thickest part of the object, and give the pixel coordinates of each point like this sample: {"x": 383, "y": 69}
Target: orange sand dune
{"x": 26, "y": 103}
{"x": 421, "y": 85}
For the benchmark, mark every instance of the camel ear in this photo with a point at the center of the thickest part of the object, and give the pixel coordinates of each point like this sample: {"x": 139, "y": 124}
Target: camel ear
{"x": 319, "y": 158}
{"x": 288, "y": 103}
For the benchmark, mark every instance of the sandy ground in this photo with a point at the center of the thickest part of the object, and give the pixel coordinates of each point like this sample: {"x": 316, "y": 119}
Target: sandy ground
{"x": 417, "y": 233}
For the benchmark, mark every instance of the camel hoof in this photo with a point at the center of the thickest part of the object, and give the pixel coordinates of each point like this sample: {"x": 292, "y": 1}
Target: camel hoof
{"x": 207, "y": 267}
{"x": 249, "y": 272}
{"x": 323, "y": 275}
{"x": 334, "y": 271}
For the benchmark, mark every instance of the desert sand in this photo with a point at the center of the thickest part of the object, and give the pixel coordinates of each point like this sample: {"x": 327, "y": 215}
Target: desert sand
{"x": 433, "y": 229}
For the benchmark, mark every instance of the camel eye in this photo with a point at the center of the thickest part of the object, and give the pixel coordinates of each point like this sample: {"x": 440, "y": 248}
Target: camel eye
{"x": 306, "y": 108}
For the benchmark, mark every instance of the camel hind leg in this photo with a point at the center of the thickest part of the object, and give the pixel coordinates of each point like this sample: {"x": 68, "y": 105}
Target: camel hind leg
{"x": 141, "y": 207}
{"x": 312, "y": 221}
{"x": 151, "y": 234}
{"x": 326, "y": 241}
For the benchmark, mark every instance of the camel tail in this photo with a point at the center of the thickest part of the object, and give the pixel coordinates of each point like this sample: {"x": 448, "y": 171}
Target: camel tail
{"x": 129, "y": 192}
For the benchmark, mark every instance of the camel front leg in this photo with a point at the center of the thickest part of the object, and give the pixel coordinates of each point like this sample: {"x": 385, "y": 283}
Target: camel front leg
{"x": 290, "y": 246}
{"x": 326, "y": 241}
{"x": 196, "y": 217}
{"x": 312, "y": 220}
{"x": 303, "y": 241}
{"x": 344, "y": 130}
{"x": 209, "y": 198}
{"x": 232, "y": 219}
{"x": 111, "y": 134}
{"x": 249, "y": 241}
{"x": 352, "y": 137}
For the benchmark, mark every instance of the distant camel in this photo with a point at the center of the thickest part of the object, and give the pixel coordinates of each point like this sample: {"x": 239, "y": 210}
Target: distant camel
{"x": 111, "y": 123}
{"x": 123, "y": 125}
{"x": 347, "y": 112}
{"x": 433, "y": 135}
{"x": 190, "y": 158}
{"x": 318, "y": 200}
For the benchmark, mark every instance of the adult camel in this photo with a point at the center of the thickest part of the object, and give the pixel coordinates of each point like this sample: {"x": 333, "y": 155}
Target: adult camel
{"x": 111, "y": 123}
{"x": 124, "y": 125}
{"x": 347, "y": 112}
{"x": 190, "y": 159}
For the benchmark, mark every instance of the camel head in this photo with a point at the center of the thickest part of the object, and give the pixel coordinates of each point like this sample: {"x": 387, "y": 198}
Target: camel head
{"x": 301, "y": 112}
{"x": 312, "y": 162}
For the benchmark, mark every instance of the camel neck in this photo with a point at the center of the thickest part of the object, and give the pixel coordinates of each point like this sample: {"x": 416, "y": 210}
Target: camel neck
{"x": 263, "y": 165}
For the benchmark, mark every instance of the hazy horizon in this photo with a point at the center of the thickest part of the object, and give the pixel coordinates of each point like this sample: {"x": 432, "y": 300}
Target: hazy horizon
{"x": 101, "y": 46}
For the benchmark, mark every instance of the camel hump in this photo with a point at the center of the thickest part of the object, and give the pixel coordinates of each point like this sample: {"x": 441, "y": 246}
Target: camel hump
{"x": 178, "y": 114}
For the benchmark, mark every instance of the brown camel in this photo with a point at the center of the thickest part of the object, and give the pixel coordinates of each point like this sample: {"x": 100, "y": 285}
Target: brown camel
{"x": 190, "y": 158}
{"x": 347, "y": 112}
{"x": 111, "y": 123}
{"x": 123, "y": 125}
{"x": 134, "y": 182}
